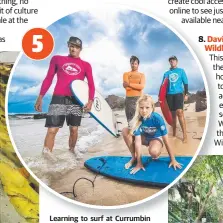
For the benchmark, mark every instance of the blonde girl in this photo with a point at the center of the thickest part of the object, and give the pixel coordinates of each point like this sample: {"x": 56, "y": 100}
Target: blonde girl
{"x": 148, "y": 129}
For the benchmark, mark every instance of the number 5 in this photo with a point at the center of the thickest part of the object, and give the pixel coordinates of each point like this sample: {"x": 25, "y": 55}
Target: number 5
{"x": 38, "y": 43}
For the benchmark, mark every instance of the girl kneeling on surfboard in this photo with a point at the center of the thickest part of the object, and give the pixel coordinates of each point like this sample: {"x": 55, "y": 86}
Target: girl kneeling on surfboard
{"x": 148, "y": 129}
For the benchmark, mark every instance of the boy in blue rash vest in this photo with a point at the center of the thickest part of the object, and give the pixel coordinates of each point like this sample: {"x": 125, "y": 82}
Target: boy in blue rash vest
{"x": 177, "y": 94}
{"x": 148, "y": 129}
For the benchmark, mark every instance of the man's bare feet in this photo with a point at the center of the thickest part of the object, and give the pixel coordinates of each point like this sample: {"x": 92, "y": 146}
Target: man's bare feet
{"x": 47, "y": 154}
{"x": 185, "y": 139}
{"x": 77, "y": 154}
{"x": 173, "y": 137}
{"x": 71, "y": 150}
{"x": 137, "y": 168}
{"x": 130, "y": 163}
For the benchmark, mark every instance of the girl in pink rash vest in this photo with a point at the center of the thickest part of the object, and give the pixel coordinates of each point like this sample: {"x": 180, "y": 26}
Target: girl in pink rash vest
{"x": 63, "y": 105}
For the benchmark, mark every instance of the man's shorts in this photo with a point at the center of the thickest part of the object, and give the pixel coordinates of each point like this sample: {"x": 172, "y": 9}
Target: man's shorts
{"x": 175, "y": 101}
{"x": 130, "y": 108}
{"x": 61, "y": 108}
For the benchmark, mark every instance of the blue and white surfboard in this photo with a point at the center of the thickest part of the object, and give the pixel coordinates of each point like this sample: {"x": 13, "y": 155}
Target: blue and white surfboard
{"x": 100, "y": 111}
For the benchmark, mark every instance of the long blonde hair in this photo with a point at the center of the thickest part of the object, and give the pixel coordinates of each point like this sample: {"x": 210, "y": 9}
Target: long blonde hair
{"x": 137, "y": 119}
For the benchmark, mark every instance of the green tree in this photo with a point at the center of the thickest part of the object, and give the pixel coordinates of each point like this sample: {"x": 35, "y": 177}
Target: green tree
{"x": 199, "y": 194}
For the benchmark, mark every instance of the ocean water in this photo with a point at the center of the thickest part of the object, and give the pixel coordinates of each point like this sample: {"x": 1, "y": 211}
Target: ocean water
{"x": 29, "y": 134}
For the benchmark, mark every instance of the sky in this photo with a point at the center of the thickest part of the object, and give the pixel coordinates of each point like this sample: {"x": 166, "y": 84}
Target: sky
{"x": 110, "y": 37}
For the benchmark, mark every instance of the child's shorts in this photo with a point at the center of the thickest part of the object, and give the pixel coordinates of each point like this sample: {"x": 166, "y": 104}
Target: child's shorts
{"x": 148, "y": 140}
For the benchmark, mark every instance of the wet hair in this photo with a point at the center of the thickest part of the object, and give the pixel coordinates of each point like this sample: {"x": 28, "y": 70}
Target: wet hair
{"x": 133, "y": 59}
{"x": 137, "y": 119}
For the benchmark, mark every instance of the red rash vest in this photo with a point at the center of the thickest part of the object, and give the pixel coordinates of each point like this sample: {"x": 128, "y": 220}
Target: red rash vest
{"x": 67, "y": 69}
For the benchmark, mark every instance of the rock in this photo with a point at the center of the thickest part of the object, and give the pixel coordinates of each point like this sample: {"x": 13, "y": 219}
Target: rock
{"x": 40, "y": 116}
{"x": 201, "y": 105}
{"x": 201, "y": 101}
{"x": 115, "y": 102}
{"x": 201, "y": 94}
{"x": 191, "y": 98}
{"x": 157, "y": 104}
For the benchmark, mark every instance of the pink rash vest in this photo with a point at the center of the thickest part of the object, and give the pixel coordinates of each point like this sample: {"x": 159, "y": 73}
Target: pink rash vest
{"x": 67, "y": 69}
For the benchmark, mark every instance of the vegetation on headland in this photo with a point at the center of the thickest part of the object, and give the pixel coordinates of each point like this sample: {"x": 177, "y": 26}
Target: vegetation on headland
{"x": 199, "y": 194}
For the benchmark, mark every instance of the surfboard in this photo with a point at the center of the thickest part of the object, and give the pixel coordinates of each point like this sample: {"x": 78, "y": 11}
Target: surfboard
{"x": 100, "y": 111}
{"x": 163, "y": 103}
{"x": 157, "y": 172}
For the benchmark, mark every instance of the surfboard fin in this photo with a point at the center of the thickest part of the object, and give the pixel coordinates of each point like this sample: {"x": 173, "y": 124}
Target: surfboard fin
{"x": 118, "y": 135}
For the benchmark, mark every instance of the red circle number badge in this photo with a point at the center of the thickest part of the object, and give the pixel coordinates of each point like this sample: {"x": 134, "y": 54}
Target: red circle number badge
{"x": 37, "y": 43}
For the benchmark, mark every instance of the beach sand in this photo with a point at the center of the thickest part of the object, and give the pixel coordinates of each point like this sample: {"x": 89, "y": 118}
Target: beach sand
{"x": 109, "y": 192}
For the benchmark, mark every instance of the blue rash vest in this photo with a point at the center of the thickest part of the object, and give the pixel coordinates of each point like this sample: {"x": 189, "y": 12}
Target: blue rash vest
{"x": 177, "y": 77}
{"x": 152, "y": 127}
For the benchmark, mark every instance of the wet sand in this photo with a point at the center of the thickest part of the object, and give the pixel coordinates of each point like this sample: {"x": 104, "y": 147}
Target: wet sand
{"x": 109, "y": 192}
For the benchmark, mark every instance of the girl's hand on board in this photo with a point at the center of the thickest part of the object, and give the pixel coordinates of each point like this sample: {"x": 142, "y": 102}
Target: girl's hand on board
{"x": 175, "y": 164}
